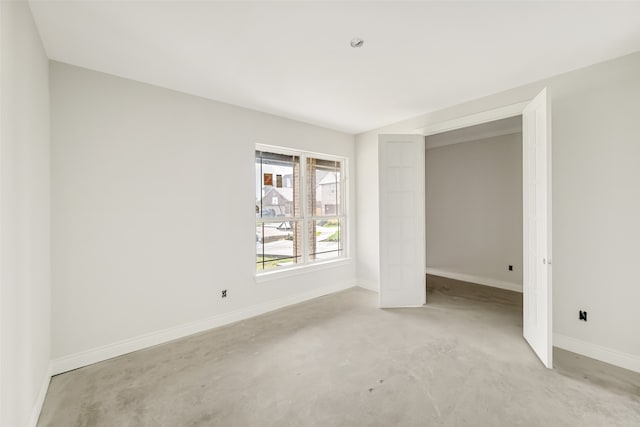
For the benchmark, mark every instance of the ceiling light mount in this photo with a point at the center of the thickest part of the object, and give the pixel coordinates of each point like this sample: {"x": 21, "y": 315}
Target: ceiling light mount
{"x": 356, "y": 42}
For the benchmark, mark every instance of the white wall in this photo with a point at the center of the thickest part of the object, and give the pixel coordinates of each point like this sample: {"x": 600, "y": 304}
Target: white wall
{"x": 154, "y": 213}
{"x": 595, "y": 203}
{"x": 474, "y": 210}
{"x": 24, "y": 218}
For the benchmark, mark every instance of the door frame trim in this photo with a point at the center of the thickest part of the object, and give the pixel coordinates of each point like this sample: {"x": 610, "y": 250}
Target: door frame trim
{"x": 472, "y": 119}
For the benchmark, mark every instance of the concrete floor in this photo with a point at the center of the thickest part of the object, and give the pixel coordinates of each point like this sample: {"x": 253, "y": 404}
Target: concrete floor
{"x": 340, "y": 361}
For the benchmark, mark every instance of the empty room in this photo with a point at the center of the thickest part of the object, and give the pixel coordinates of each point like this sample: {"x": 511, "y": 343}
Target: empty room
{"x": 473, "y": 194}
{"x": 318, "y": 213}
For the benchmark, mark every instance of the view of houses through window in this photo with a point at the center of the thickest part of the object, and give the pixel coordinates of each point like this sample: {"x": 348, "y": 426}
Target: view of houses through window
{"x": 299, "y": 209}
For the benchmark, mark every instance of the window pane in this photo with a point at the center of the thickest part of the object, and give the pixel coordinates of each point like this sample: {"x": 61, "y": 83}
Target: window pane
{"x": 277, "y": 185}
{"x": 323, "y": 187}
{"x": 277, "y": 244}
{"x": 325, "y": 240}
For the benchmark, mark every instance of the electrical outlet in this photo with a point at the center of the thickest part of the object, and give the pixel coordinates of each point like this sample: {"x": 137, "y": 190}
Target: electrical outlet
{"x": 583, "y": 315}
{"x": 224, "y": 293}
{"x": 510, "y": 267}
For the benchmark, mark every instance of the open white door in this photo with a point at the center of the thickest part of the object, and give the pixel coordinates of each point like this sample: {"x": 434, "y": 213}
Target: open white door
{"x": 402, "y": 220}
{"x": 536, "y": 194}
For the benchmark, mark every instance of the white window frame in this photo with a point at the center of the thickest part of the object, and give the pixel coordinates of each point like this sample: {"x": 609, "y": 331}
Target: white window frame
{"x": 307, "y": 265}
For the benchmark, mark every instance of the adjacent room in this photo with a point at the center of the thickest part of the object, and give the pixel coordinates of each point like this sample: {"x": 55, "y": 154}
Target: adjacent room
{"x": 474, "y": 227}
{"x": 221, "y": 213}
{"x": 474, "y": 204}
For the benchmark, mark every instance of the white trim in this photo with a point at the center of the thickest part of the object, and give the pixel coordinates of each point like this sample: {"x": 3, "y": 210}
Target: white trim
{"x": 302, "y": 189}
{"x": 278, "y": 274}
{"x": 473, "y": 119}
{"x": 37, "y": 406}
{"x": 288, "y": 151}
{"x": 98, "y": 354}
{"x": 510, "y": 286}
{"x": 370, "y": 285}
{"x": 598, "y": 352}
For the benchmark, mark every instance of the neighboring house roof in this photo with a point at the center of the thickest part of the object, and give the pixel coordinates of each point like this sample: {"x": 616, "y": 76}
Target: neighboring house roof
{"x": 285, "y": 193}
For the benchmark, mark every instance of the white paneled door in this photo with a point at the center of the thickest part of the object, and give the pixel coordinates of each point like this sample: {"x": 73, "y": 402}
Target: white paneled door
{"x": 536, "y": 193}
{"x": 402, "y": 220}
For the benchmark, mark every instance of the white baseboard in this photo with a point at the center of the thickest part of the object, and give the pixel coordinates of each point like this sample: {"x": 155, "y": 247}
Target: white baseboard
{"x": 598, "y": 352}
{"x": 369, "y": 285}
{"x": 119, "y": 348}
{"x": 476, "y": 279}
{"x": 37, "y": 406}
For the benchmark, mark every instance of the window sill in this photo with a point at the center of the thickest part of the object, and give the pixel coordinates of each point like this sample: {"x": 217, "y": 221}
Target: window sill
{"x": 303, "y": 269}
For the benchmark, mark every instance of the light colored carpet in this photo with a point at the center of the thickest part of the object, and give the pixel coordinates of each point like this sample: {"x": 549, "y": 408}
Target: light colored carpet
{"x": 340, "y": 361}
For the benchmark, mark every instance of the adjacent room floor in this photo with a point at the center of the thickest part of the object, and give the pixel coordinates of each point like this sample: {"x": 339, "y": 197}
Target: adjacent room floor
{"x": 340, "y": 361}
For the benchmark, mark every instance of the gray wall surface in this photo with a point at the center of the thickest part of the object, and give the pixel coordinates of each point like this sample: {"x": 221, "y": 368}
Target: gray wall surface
{"x": 25, "y": 270}
{"x": 474, "y": 208}
{"x": 154, "y": 209}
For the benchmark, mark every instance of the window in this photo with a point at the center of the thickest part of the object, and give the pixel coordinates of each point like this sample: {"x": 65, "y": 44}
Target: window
{"x": 300, "y": 215}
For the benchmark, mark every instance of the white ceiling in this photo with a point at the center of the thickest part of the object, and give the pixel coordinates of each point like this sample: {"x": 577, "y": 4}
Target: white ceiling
{"x": 293, "y": 59}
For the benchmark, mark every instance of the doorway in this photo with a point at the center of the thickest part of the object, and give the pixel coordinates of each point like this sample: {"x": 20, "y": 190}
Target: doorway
{"x": 473, "y": 209}
{"x": 401, "y": 170}
{"x": 474, "y": 231}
